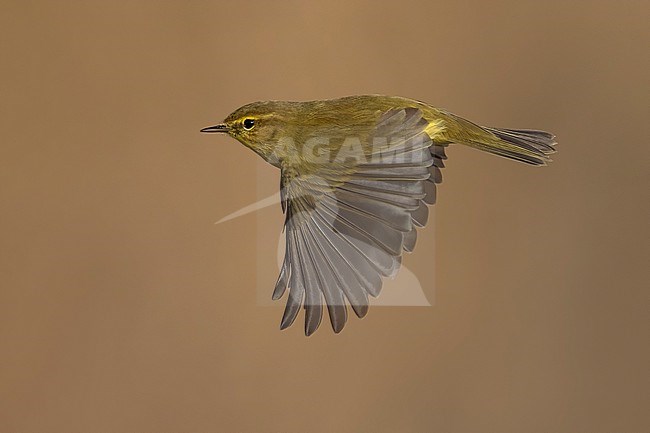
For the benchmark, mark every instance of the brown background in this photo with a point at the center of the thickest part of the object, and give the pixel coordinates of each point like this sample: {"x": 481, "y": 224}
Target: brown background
{"x": 123, "y": 308}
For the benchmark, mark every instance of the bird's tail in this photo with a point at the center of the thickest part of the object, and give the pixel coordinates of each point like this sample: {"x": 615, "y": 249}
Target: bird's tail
{"x": 525, "y": 145}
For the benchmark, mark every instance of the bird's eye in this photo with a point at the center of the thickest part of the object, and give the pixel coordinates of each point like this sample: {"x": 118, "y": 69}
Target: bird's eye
{"x": 248, "y": 124}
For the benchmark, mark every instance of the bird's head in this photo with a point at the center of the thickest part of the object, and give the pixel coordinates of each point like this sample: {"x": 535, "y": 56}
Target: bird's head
{"x": 258, "y": 125}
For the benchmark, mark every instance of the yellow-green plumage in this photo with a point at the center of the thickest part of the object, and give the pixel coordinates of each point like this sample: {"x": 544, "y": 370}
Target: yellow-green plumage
{"x": 357, "y": 174}
{"x": 356, "y": 116}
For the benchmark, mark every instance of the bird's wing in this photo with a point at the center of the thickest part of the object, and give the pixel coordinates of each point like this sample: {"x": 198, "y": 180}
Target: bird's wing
{"x": 347, "y": 224}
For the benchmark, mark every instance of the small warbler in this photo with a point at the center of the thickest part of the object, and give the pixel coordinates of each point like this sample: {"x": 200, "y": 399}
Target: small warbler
{"x": 357, "y": 175}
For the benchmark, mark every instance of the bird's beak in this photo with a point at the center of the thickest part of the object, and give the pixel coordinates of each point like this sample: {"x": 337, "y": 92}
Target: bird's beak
{"x": 222, "y": 127}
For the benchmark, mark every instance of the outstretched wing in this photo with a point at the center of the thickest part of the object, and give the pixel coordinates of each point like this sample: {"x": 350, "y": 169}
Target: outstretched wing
{"x": 347, "y": 223}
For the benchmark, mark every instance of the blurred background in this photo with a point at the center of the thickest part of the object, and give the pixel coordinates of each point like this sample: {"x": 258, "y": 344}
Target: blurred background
{"x": 124, "y": 308}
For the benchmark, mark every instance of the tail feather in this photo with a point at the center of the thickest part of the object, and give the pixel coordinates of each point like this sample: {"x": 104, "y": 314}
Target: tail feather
{"x": 533, "y": 140}
{"x": 510, "y": 151}
{"x": 525, "y": 145}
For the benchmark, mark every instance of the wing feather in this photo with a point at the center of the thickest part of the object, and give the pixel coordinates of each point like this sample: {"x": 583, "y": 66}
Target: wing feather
{"x": 313, "y": 302}
{"x": 346, "y": 278}
{"x": 348, "y": 225}
{"x": 328, "y": 284}
{"x": 296, "y": 283}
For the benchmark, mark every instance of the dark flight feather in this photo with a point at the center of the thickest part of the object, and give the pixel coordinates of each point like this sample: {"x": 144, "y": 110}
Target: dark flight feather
{"x": 348, "y": 227}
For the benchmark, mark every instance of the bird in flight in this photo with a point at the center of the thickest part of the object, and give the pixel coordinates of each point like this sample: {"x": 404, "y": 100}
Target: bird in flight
{"x": 357, "y": 175}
